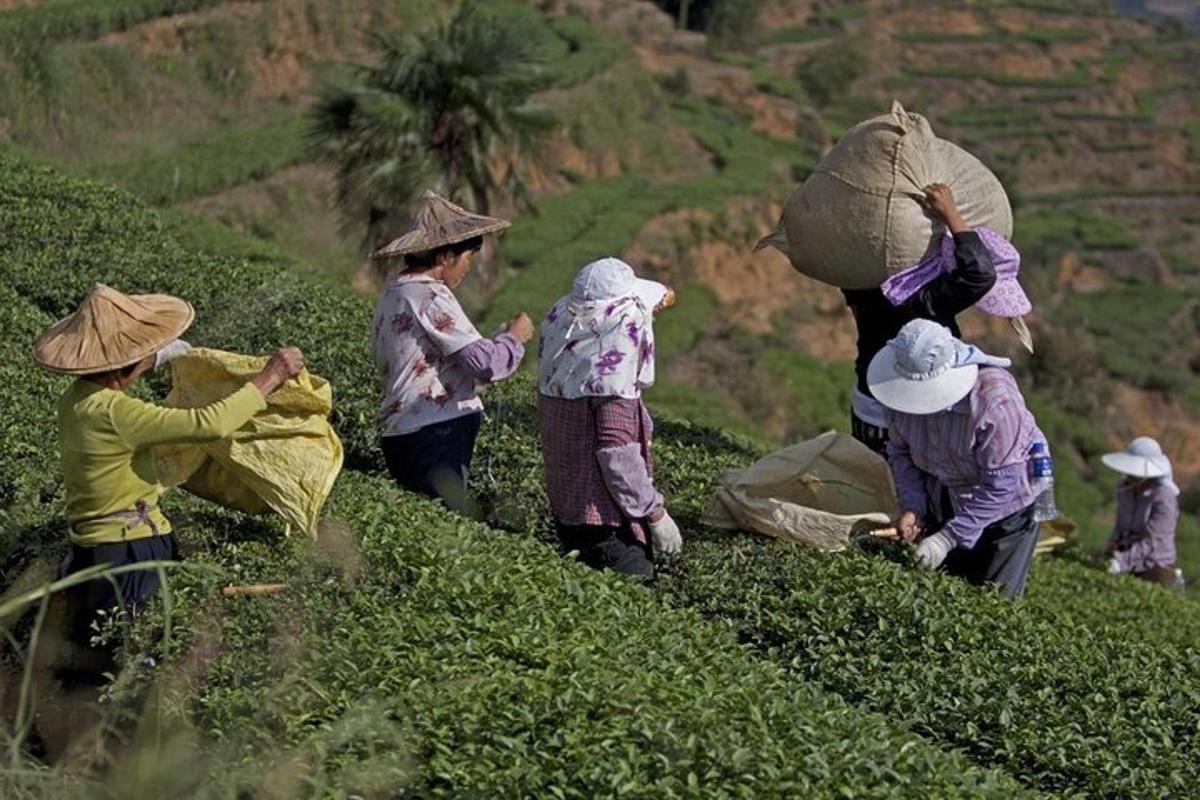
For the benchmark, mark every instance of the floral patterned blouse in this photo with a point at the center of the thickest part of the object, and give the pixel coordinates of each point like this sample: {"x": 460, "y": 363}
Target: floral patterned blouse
{"x": 419, "y": 327}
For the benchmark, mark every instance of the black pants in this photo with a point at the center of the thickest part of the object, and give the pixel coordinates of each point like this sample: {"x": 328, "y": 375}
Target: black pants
{"x": 1003, "y": 554}
{"x": 872, "y": 436}
{"x": 132, "y": 589}
{"x": 607, "y": 547}
{"x": 1163, "y": 576}
{"x": 436, "y": 460}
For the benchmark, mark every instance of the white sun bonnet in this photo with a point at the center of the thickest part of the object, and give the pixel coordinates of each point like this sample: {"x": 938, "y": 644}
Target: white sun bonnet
{"x": 598, "y": 341}
{"x": 925, "y": 369}
{"x": 612, "y": 278}
{"x": 1142, "y": 458}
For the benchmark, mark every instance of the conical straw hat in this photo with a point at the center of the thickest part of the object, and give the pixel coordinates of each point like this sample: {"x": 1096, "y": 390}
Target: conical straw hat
{"x": 437, "y": 223}
{"x": 111, "y": 330}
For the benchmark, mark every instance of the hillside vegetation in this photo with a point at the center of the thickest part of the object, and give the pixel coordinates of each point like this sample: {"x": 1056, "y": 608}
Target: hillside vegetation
{"x": 419, "y": 654}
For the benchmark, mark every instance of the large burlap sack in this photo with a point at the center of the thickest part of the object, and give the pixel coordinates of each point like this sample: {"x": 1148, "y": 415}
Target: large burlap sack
{"x": 855, "y": 221}
{"x": 816, "y": 492}
{"x": 285, "y": 459}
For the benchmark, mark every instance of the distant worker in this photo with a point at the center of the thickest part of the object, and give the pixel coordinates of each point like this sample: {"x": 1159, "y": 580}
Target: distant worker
{"x": 962, "y": 273}
{"x": 1142, "y": 543}
{"x": 597, "y": 355}
{"x": 958, "y": 422}
{"x": 106, "y": 436}
{"x": 432, "y": 358}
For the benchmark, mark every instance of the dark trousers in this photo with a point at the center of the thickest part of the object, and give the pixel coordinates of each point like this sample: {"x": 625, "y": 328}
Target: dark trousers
{"x": 607, "y": 547}
{"x": 129, "y": 589}
{"x": 872, "y": 436}
{"x": 1003, "y": 554}
{"x": 1163, "y": 576}
{"x": 436, "y": 460}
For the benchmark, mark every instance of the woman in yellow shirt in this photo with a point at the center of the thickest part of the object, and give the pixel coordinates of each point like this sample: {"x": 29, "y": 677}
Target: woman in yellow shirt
{"x": 105, "y": 436}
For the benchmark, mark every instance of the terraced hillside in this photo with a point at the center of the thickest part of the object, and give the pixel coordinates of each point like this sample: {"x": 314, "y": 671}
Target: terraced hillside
{"x": 417, "y": 654}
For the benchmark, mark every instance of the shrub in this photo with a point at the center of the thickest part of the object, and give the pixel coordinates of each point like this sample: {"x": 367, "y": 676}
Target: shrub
{"x": 828, "y": 75}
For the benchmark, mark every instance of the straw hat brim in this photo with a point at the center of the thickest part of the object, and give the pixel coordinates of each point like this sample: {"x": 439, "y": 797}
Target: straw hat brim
{"x": 1133, "y": 465}
{"x": 125, "y": 332}
{"x": 419, "y": 242}
{"x": 909, "y": 396}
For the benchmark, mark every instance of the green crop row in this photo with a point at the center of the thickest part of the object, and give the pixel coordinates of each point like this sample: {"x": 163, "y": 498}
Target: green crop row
{"x": 1072, "y": 709}
{"x": 25, "y": 28}
{"x": 1077, "y": 78}
{"x": 1044, "y": 37}
{"x": 427, "y": 655}
{"x": 221, "y": 159}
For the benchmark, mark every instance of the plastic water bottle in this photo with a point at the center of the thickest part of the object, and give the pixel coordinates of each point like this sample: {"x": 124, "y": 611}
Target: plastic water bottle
{"x": 1041, "y": 466}
{"x": 1180, "y": 581}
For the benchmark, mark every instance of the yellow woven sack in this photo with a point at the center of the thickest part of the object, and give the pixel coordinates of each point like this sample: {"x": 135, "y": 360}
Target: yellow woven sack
{"x": 285, "y": 459}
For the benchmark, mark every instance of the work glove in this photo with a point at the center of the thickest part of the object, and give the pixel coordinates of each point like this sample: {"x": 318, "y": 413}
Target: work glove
{"x": 174, "y": 350}
{"x": 1114, "y": 566}
{"x": 665, "y": 535}
{"x": 932, "y": 550}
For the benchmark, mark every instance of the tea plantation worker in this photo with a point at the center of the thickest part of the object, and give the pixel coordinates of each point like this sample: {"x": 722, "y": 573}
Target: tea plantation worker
{"x": 432, "y": 358}
{"x": 106, "y": 436}
{"x": 597, "y": 355}
{"x": 939, "y": 297}
{"x": 956, "y": 416}
{"x": 1143, "y": 539}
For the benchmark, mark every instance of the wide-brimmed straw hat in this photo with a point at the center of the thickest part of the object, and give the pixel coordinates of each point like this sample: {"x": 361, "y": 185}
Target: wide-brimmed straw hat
{"x": 111, "y": 330}
{"x": 611, "y": 279}
{"x": 925, "y": 369}
{"x": 438, "y": 223}
{"x": 1142, "y": 458}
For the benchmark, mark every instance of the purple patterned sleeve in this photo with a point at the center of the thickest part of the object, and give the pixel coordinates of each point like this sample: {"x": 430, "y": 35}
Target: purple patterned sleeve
{"x": 488, "y": 360}
{"x": 909, "y": 479}
{"x": 990, "y": 500}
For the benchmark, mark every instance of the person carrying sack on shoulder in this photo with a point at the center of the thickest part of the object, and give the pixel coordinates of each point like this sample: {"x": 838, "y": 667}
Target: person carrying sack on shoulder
{"x": 1142, "y": 542}
{"x": 958, "y": 422}
{"x": 970, "y": 268}
{"x": 106, "y": 436}
{"x": 430, "y": 356}
{"x": 596, "y": 356}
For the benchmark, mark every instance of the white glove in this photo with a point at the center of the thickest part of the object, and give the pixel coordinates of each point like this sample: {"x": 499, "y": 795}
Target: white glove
{"x": 174, "y": 350}
{"x": 1114, "y": 566}
{"x": 665, "y": 535}
{"x": 932, "y": 550}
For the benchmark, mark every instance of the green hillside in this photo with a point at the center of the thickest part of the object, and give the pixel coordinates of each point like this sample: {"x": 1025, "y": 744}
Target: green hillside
{"x": 160, "y": 145}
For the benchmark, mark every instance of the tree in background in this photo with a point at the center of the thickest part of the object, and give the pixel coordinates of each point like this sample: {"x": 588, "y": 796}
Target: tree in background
{"x": 729, "y": 24}
{"x": 446, "y": 109}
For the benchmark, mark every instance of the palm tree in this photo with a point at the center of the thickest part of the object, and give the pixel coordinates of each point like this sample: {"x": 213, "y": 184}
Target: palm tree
{"x": 447, "y": 109}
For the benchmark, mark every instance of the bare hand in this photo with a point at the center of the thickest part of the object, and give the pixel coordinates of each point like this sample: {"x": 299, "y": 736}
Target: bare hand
{"x": 667, "y": 301}
{"x": 287, "y": 363}
{"x": 939, "y": 201}
{"x": 909, "y": 526}
{"x": 521, "y": 327}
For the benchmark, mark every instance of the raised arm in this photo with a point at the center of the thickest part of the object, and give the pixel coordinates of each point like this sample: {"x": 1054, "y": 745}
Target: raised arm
{"x": 140, "y": 424}
{"x": 973, "y": 275}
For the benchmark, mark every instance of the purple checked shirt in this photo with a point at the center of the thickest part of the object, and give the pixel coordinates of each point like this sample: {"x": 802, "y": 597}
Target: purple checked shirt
{"x": 977, "y": 449}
